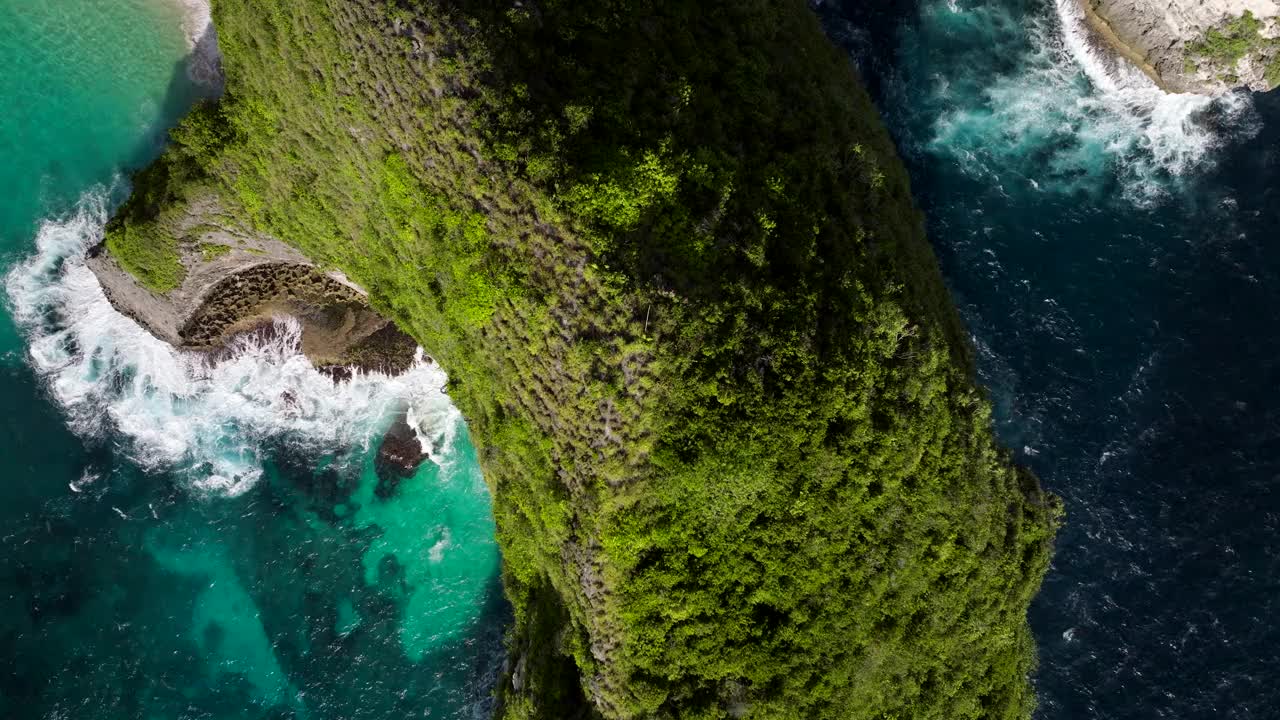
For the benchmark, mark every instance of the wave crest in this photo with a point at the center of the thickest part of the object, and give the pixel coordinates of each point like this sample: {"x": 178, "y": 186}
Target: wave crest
{"x": 1028, "y": 102}
{"x": 208, "y": 420}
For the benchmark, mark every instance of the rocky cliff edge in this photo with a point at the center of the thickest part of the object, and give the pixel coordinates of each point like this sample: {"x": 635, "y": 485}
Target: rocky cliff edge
{"x": 237, "y": 280}
{"x": 1194, "y": 46}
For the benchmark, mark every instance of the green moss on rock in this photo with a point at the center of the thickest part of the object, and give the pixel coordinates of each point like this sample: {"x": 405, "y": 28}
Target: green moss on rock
{"x": 148, "y": 253}
{"x": 670, "y": 259}
{"x": 1230, "y": 42}
{"x": 1226, "y": 45}
{"x": 212, "y": 251}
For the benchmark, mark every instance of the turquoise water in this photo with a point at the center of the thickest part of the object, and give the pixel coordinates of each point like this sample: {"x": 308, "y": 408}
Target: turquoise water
{"x": 87, "y": 87}
{"x": 187, "y": 541}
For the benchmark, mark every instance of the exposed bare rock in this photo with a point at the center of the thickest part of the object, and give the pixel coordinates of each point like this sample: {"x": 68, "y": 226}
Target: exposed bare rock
{"x": 398, "y": 457}
{"x": 1198, "y": 46}
{"x": 238, "y": 280}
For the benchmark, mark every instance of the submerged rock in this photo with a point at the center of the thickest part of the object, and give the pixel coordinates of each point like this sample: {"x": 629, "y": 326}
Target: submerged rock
{"x": 399, "y": 457}
{"x": 1193, "y": 46}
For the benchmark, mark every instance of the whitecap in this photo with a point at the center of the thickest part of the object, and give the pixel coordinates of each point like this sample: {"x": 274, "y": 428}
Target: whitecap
{"x": 208, "y": 421}
{"x": 1031, "y": 96}
{"x": 87, "y": 478}
{"x": 436, "y": 553}
{"x": 1152, "y": 132}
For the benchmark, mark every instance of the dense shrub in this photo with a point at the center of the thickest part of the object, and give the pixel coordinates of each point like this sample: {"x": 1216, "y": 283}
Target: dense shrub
{"x": 670, "y": 259}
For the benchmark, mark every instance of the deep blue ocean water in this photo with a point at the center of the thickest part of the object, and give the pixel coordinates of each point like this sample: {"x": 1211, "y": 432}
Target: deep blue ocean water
{"x": 183, "y": 541}
{"x": 1117, "y": 258}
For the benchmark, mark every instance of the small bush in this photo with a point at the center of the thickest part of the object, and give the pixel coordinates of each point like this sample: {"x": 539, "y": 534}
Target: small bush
{"x": 149, "y": 254}
{"x": 213, "y": 251}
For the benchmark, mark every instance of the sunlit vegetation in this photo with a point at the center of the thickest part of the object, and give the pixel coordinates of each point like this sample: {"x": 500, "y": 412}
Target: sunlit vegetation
{"x": 1231, "y": 42}
{"x": 148, "y": 254}
{"x": 669, "y": 257}
{"x": 213, "y": 251}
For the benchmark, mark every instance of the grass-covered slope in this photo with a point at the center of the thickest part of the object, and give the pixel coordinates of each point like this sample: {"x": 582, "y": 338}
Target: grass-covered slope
{"x": 670, "y": 260}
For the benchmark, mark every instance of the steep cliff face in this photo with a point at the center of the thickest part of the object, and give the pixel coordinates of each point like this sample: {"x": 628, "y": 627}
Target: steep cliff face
{"x": 669, "y": 257}
{"x": 1200, "y": 46}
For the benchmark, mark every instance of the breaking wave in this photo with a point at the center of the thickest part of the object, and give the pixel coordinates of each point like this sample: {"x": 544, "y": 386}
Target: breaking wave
{"x": 1028, "y": 101}
{"x": 208, "y": 420}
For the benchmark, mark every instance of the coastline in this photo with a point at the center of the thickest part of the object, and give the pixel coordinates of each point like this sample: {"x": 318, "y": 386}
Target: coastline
{"x": 1099, "y": 25}
{"x": 204, "y": 64}
{"x": 197, "y": 18}
{"x": 566, "y": 385}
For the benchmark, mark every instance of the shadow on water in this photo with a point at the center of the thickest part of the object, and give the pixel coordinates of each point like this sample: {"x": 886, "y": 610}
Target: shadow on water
{"x": 864, "y": 29}
{"x": 196, "y": 78}
{"x": 1133, "y": 359}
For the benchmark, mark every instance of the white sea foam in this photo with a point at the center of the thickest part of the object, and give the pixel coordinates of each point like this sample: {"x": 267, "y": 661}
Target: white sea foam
{"x": 1066, "y": 116}
{"x": 87, "y": 478}
{"x": 436, "y": 553}
{"x": 208, "y": 421}
{"x": 1170, "y": 128}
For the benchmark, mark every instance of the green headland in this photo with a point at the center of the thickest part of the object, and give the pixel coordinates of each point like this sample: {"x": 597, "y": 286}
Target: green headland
{"x": 669, "y": 257}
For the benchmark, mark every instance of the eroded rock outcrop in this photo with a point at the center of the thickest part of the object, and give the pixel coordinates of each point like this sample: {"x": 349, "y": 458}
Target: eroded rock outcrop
{"x": 236, "y": 280}
{"x": 1199, "y": 46}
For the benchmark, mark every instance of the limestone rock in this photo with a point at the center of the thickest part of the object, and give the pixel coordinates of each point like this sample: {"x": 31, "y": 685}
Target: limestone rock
{"x": 1198, "y": 46}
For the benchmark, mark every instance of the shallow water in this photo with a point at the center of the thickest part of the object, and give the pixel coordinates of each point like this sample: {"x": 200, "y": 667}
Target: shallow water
{"x": 181, "y": 541}
{"x": 1116, "y": 257}
{"x": 184, "y": 540}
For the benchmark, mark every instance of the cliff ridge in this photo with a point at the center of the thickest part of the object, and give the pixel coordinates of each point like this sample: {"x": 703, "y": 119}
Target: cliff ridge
{"x": 669, "y": 257}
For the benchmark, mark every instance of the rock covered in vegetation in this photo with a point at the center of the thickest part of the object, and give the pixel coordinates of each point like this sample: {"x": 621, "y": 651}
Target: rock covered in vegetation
{"x": 669, "y": 257}
{"x": 218, "y": 280}
{"x": 1198, "y": 46}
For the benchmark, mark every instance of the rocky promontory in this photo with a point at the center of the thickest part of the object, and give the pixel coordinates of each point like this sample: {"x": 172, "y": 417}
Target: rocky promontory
{"x": 1194, "y": 46}
{"x": 727, "y": 412}
{"x": 235, "y": 280}
{"x": 202, "y": 276}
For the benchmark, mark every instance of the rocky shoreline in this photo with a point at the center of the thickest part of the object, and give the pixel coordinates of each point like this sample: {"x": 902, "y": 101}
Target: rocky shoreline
{"x": 1104, "y": 36}
{"x": 237, "y": 280}
{"x": 1206, "y": 47}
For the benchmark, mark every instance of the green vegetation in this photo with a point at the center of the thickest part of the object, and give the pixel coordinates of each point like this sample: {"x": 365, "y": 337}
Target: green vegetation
{"x": 669, "y": 256}
{"x": 1272, "y": 72}
{"x": 149, "y": 254}
{"x": 140, "y": 236}
{"x": 213, "y": 251}
{"x": 1231, "y": 42}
